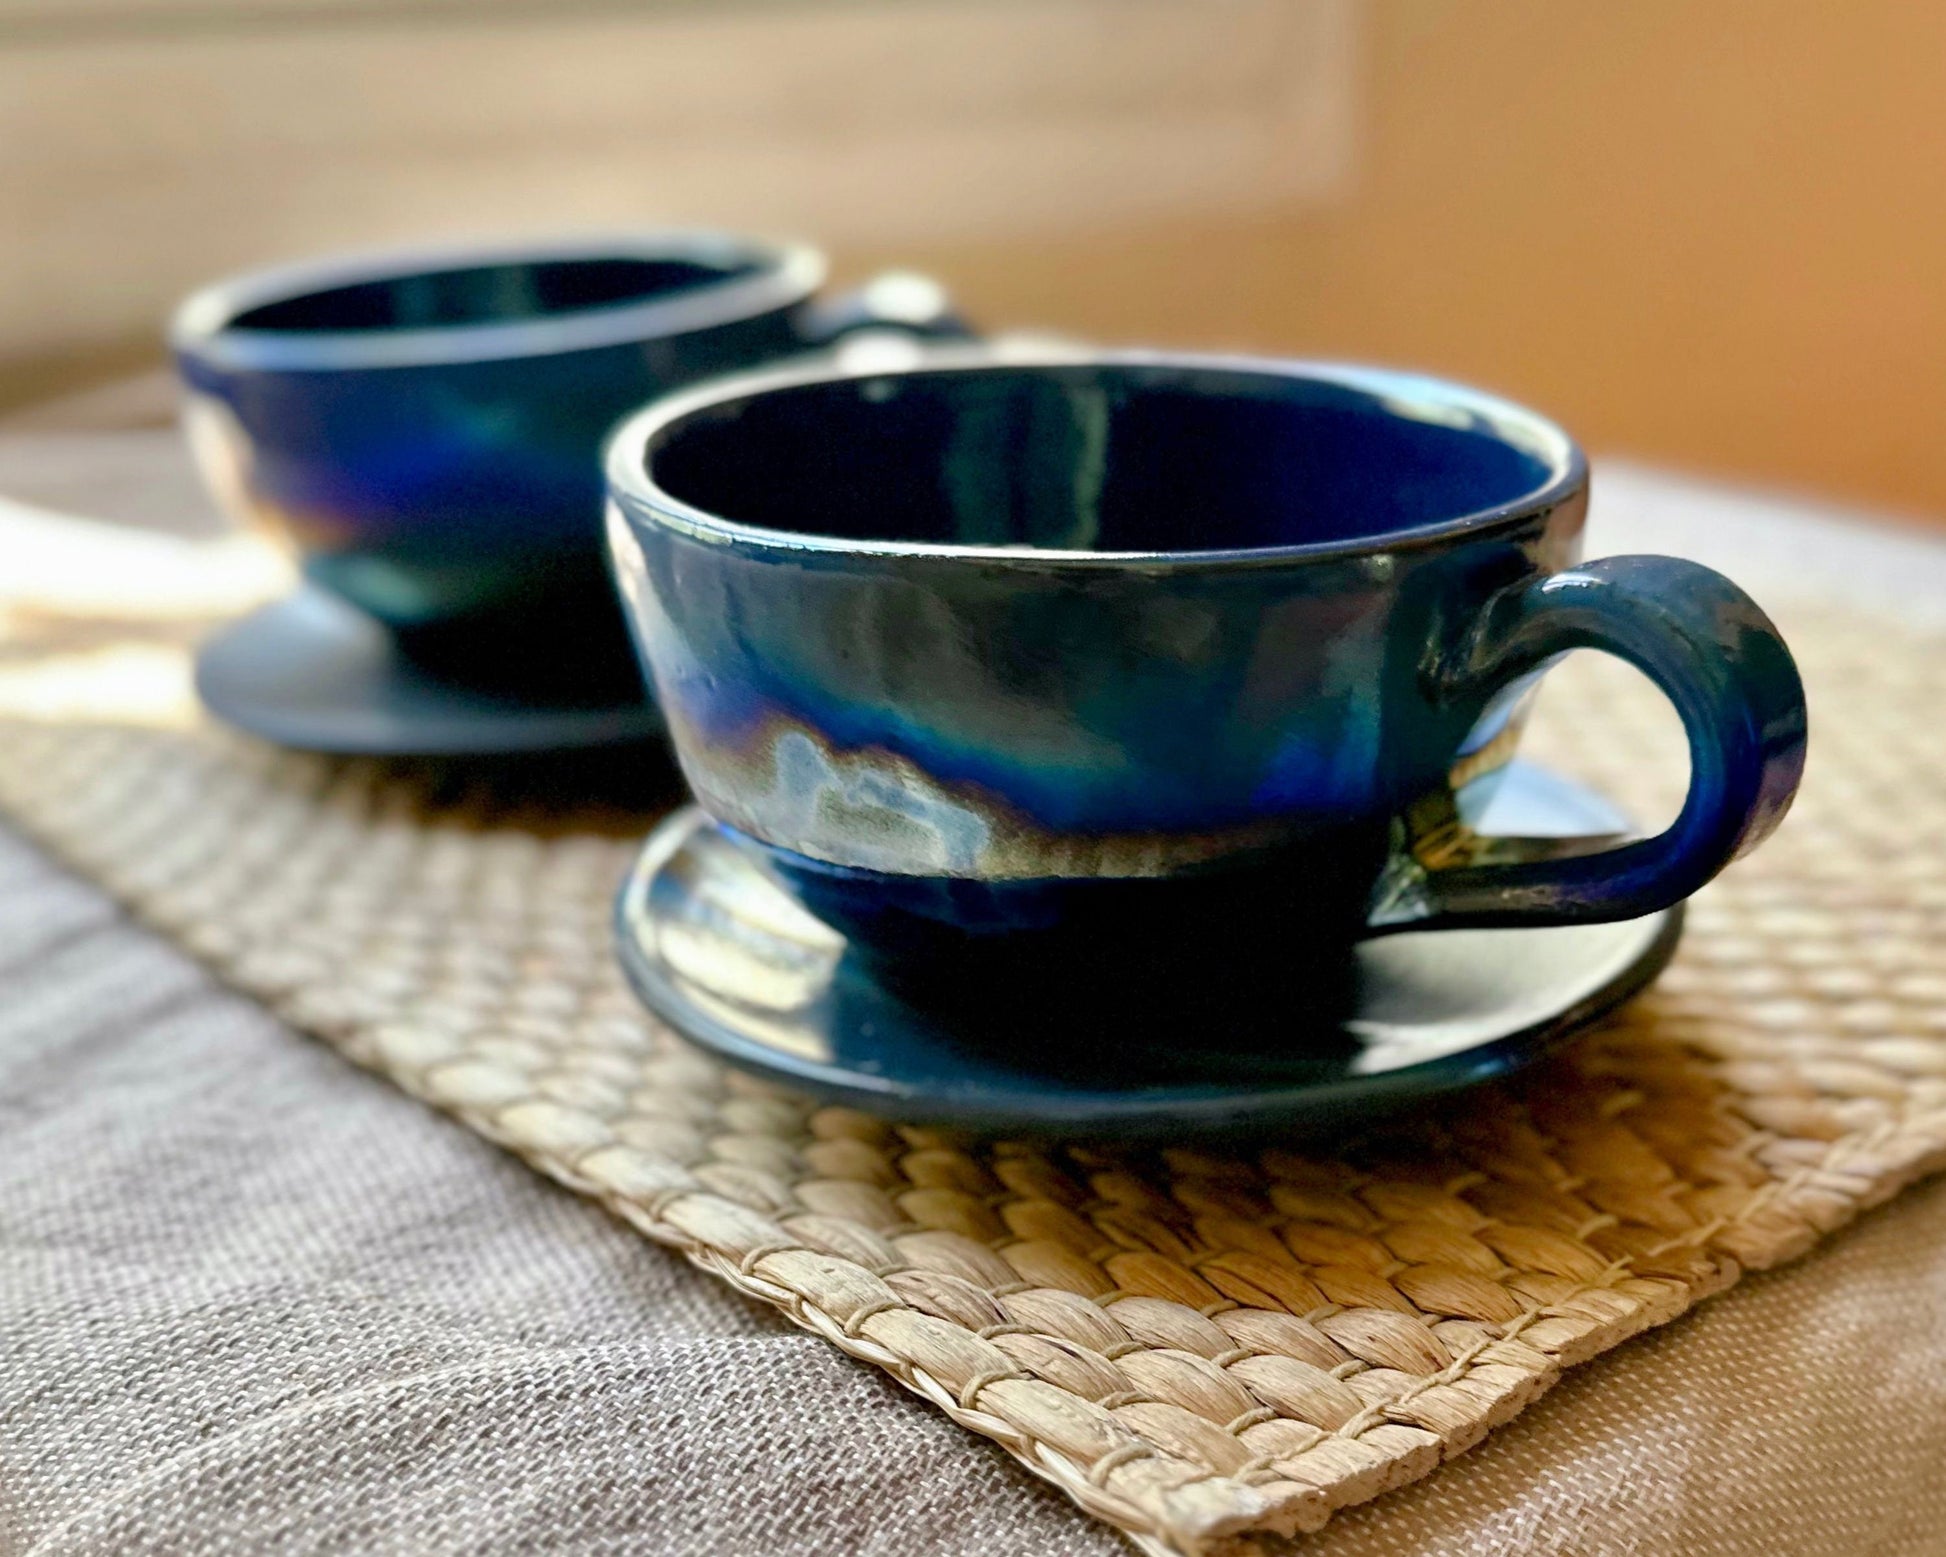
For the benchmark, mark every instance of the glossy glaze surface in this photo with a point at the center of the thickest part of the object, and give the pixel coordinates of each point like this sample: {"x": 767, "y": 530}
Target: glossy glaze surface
{"x": 1074, "y": 669}
{"x": 717, "y": 948}
{"x": 424, "y": 427}
{"x": 1094, "y": 646}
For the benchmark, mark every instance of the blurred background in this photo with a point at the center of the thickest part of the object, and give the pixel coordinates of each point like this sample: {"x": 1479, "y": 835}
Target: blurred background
{"x": 1710, "y": 235}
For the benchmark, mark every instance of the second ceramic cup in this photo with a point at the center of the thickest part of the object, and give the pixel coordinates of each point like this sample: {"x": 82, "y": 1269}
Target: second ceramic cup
{"x": 424, "y": 425}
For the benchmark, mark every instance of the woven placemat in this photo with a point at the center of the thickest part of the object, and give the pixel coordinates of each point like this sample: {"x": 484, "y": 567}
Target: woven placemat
{"x": 1200, "y": 1349}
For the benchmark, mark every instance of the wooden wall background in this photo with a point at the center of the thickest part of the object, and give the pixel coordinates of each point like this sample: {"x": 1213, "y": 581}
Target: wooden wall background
{"x": 1710, "y": 234}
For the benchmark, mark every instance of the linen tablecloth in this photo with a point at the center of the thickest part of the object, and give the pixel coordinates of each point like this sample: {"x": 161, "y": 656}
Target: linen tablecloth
{"x": 254, "y": 1299}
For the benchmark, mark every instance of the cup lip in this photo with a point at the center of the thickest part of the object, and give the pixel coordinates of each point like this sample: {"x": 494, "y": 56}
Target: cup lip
{"x": 635, "y": 492}
{"x": 204, "y": 326}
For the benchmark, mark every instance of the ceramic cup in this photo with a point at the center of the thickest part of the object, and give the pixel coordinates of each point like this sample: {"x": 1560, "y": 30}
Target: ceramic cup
{"x": 424, "y": 427}
{"x": 1079, "y": 670}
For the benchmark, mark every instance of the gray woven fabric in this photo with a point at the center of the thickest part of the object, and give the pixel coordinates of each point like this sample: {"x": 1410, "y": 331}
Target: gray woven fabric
{"x": 252, "y": 1299}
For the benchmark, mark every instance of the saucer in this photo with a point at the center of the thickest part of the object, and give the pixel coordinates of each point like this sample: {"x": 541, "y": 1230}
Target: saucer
{"x": 716, "y": 949}
{"x": 312, "y": 672}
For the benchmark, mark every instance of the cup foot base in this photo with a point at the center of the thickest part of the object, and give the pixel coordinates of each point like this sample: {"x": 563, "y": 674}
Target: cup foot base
{"x": 311, "y": 672}
{"x": 714, "y": 947}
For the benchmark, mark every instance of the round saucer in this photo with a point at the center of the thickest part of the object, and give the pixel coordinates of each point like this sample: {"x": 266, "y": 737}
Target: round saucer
{"x": 312, "y": 672}
{"x": 718, "y": 950}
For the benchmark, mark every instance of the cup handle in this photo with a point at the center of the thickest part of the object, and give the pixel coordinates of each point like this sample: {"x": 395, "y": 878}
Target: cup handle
{"x": 1719, "y": 660}
{"x": 897, "y": 300}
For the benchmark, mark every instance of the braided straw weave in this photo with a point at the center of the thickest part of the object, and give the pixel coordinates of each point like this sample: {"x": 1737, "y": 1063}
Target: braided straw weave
{"x": 1200, "y": 1349}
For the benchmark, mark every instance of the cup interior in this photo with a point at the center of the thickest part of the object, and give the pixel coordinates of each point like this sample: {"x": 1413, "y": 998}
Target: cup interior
{"x": 488, "y": 294}
{"x": 1104, "y": 457}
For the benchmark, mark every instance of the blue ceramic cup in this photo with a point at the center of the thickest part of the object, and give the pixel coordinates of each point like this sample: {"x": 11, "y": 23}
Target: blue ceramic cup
{"x": 424, "y": 427}
{"x": 1093, "y": 667}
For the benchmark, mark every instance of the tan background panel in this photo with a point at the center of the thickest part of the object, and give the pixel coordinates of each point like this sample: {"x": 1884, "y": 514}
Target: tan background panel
{"x": 1711, "y": 235}
{"x": 140, "y": 152}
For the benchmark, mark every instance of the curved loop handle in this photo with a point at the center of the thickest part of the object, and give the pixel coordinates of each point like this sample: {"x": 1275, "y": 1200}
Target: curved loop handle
{"x": 900, "y": 301}
{"x": 1721, "y": 663}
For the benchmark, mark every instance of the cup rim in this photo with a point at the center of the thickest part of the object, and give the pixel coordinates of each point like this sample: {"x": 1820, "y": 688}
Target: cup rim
{"x": 204, "y": 327}
{"x": 636, "y": 493}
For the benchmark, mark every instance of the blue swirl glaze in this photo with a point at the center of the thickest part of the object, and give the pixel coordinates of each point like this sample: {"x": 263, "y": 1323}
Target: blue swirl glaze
{"x": 425, "y": 427}
{"x": 1157, "y": 709}
{"x": 1123, "y": 649}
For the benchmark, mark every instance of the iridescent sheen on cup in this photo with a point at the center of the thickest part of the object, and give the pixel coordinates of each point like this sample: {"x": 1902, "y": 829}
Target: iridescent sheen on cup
{"x": 424, "y": 426}
{"x": 1093, "y": 667}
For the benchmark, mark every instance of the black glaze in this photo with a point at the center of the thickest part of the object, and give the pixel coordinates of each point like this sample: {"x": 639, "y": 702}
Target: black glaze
{"x": 1085, "y": 460}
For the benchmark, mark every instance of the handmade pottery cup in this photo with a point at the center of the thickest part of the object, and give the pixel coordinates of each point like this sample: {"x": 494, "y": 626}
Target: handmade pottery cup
{"x": 1089, "y": 669}
{"x": 424, "y": 427}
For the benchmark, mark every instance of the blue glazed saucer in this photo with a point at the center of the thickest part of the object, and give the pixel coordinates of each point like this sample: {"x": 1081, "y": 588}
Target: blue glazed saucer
{"x": 716, "y": 949}
{"x": 312, "y": 672}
